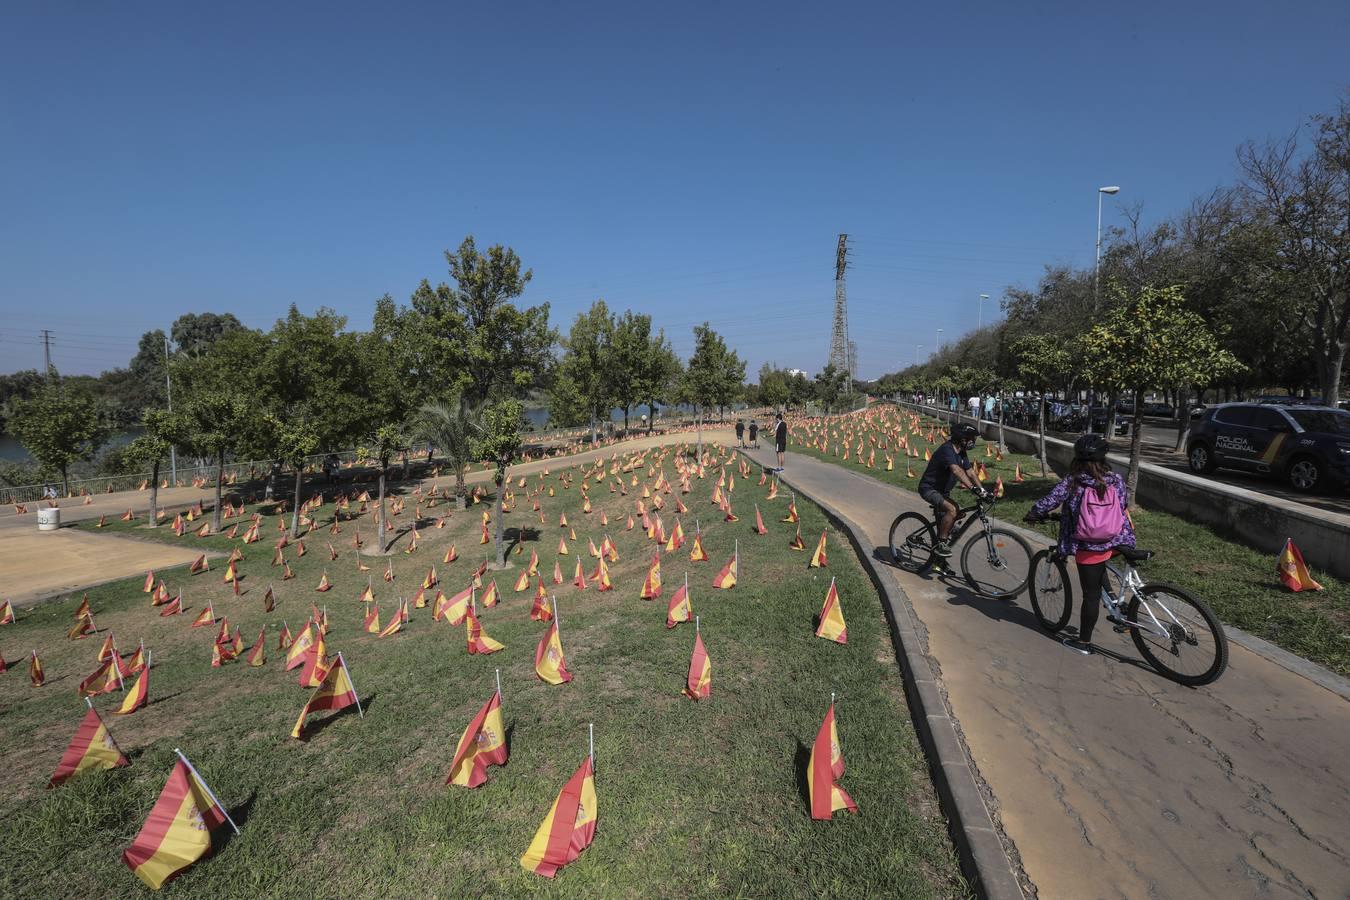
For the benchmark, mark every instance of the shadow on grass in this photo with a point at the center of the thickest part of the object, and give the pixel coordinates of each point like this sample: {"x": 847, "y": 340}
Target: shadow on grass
{"x": 317, "y": 728}
{"x": 801, "y": 763}
{"x": 239, "y": 815}
{"x": 166, "y": 698}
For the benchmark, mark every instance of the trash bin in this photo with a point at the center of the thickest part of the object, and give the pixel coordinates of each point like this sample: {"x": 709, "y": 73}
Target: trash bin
{"x": 49, "y": 518}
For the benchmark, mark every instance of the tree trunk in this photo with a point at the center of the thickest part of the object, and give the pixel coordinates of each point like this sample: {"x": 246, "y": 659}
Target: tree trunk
{"x": 594, "y": 437}
{"x": 1002, "y": 445}
{"x": 1136, "y": 439}
{"x": 154, "y": 493}
{"x": 405, "y": 465}
{"x": 65, "y": 482}
{"x": 1087, "y": 409}
{"x": 625, "y": 421}
{"x": 295, "y": 512}
{"x": 220, "y": 478}
{"x": 1041, "y": 435}
{"x": 1183, "y": 417}
{"x": 460, "y": 490}
{"x": 698, "y": 418}
{"x": 501, "y": 493}
{"x": 651, "y": 415}
{"x": 381, "y": 529}
{"x": 1329, "y": 374}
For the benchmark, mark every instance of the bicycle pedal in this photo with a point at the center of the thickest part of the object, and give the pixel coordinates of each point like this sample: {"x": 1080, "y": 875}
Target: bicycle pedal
{"x": 1120, "y": 629}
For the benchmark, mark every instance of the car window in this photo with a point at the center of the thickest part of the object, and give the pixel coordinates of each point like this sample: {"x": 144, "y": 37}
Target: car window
{"x": 1326, "y": 420}
{"x": 1233, "y": 415}
{"x": 1268, "y": 419}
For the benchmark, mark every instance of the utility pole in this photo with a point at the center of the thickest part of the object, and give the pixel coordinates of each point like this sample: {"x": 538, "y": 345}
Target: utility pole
{"x": 47, "y": 354}
{"x": 168, "y": 396}
{"x": 839, "y": 349}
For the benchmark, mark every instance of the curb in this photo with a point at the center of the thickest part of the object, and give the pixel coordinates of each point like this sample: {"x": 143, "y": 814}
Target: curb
{"x": 983, "y": 859}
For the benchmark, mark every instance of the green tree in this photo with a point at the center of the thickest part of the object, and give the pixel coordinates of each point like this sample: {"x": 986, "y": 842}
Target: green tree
{"x": 773, "y": 386}
{"x": 830, "y": 386}
{"x": 382, "y": 445}
{"x": 660, "y": 372}
{"x": 59, "y": 425}
{"x": 162, "y": 429}
{"x": 196, "y": 333}
{"x": 1151, "y": 339}
{"x": 498, "y": 440}
{"x": 631, "y": 345}
{"x": 583, "y": 378}
{"x": 713, "y": 375}
{"x": 1041, "y": 362}
{"x": 451, "y": 428}
{"x": 216, "y": 423}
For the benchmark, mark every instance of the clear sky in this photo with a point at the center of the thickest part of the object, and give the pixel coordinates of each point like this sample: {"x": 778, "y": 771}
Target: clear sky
{"x": 693, "y": 160}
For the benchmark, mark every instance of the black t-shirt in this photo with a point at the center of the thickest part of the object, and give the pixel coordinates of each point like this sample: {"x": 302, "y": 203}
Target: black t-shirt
{"x": 939, "y": 475}
{"x": 754, "y": 431}
{"x": 780, "y": 434}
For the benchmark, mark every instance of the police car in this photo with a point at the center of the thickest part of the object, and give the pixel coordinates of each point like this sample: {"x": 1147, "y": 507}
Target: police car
{"x": 1309, "y": 446}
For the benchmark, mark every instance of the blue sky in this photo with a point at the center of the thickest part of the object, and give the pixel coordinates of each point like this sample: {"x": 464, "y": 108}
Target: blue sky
{"x": 695, "y": 161}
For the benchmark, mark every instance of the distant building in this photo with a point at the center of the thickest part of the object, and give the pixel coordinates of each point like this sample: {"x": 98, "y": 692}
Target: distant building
{"x": 796, "y": 372}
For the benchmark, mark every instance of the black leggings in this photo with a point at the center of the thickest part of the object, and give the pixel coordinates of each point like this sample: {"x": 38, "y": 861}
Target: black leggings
{"x": 1091, "y": 578}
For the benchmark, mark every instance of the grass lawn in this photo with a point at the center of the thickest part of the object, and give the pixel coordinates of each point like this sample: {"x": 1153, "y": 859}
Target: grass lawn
{"x": 695, "y": 799}
{"x": 1239, "y": 583}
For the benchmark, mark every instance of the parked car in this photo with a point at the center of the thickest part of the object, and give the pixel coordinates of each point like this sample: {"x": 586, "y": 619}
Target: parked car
{"x": 1309, "y": 446}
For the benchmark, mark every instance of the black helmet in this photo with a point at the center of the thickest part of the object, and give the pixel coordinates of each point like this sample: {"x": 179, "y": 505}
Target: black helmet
{"x": 964, "y": 432}
{"x": 1090, "y": 448}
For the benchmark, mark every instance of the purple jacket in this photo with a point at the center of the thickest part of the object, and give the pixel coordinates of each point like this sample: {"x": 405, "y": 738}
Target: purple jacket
{"x": 1069, "y": 494}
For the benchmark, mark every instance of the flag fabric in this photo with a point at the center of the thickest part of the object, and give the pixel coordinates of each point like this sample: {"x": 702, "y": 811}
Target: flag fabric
{"x": 149, "y": 582}
{"x": 324, "y": 583}
{"x": 827, "y": 765}
{"x": 139, "y": 695}
{"x": 136, "y": 663}
{"x": 82, "y": 610}
{"x": 651, "y": 585}
{"x": 395, "y": 624}
{"x": 549, "y": 663}
{"x": 105, "y": 679}
{"x": 295, "y": 653}
{"x": 91, "y": 748}
{"x": 819, "y": 558}
{"x": 81, "y": 629}
{"x": 490, "y": 596}
{"x": 1293, "y": 571}
{"x": 35, "y": 673}
{"x": 481, "y": 745}
{"x": 540, "y": 611}
{"x": 831, "y": 624}
{"x": 726, "y": 579}
{"x": 568, "y": 828}
{"x": 174, "y": 607}
{"x": 759, "y": 522}
{"x": 316, "y": 665}
{"x": 206, "y": 617}
{"x": 177, "y": 832}
{"x": 257, "y": 655}
{"x": 6, "y": 613}
{"x": 372, "y": 620}
{"x": 455, "y": 608}
{"x": 679, "y": 609}
{"x": 284, "y": 637}
{"x": 698, "y": 684}
{"x": 108, "y": 650}
{"x": 479, "y": 641}
{"x": 796, "y": 543}
{"x": 791, "y": 511}
{"x": 335, "y": 692}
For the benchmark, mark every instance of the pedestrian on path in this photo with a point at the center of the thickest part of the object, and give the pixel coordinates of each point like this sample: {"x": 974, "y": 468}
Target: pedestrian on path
{"x": 754, "y": 434}
{"x": 780, "y": 438}
{"x": 1095, "y": 521}
{"x": 740, "y": 432}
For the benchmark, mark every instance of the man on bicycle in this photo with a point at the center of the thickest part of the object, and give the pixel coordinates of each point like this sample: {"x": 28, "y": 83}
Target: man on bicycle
{"x": 949, "y": 466}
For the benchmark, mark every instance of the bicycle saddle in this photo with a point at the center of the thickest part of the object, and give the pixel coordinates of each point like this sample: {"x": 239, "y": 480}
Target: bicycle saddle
{"x": 1135, "y": 555}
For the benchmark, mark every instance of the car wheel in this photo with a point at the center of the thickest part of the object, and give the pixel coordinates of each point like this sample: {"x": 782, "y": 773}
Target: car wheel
{"x": 1201, "y": 459}
{"x": 1305, "y": 474}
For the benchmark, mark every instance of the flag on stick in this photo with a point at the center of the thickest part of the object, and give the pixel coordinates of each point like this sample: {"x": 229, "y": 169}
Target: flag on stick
{"x": 177, "y": 832}
{"x": 568, "y": 828}
{"x": 827, "y": 765}
{"x": 679, "y": 609}
{"x": 831, "y": 624}
{"x": 334, "y": 693}
{"x": 1293, "y": 571}
{"x": 481, "y": 745}
{"x": 819, "y": 558}
{"x": 91, "y": 748}
{"x": 698, "y": 684}
{"x": 549, "y": 663}
{"x": 139, "y": 695}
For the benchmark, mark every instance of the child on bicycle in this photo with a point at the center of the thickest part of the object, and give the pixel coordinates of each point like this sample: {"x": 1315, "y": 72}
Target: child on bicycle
{"x": 1094, "y": 523}
{"x": 949, "y": 466}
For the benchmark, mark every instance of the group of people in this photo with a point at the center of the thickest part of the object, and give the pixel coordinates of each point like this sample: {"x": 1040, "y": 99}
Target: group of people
{"x": 1093, "y": 523}
{"x": 780, "y": 432}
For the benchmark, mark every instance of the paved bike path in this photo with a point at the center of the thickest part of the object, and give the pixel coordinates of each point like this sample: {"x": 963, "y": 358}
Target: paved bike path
{"x": 1110, "y": 780}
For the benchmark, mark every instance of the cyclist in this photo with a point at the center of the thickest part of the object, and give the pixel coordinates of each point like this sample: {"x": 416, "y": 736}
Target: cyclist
{"x": 949, "y": 466}
{"x": 1094, "y": 523}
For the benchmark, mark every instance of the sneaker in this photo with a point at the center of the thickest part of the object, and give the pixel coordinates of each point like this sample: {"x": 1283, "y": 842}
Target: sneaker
{"x": 943, "y": 549}
{"x": 1077, "y": 646}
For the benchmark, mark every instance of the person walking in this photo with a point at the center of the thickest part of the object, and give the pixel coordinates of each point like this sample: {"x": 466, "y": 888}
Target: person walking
{"x": 974, "y": 404}
{"x": 780, "y": 431}
{"x": 740, "y": 432}
{"x": 754, "y": 434}
{"x": 1095, "y": 521}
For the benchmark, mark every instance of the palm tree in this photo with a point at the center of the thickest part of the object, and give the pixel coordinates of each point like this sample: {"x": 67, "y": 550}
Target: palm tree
{"x": 450, "y": 427}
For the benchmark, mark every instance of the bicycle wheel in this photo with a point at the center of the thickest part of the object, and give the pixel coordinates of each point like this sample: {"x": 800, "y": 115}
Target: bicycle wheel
{"x": 1051, "y": 591}
{"x": 996, "y": 563}
{"x": 912, "y": 539}
{"x": 1194, "y": 650}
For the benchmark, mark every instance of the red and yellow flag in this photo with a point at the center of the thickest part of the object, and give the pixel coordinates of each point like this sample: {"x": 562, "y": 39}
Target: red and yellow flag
{"x": 206, "y": 617}
{"x": 324, "y": 583}
{"x": 395, "y": 624}
{"x": 481, "y": 745}
{"x": 295, "y": 653}
{"x": 6, "y": 613}
{"x": 568, "y": 828}
{"x": 257, "y": 655}
{"x": 177, "y": 832}
{"x": 759, "y": 522}
{"x": 149, "y": 582}
{"x": 549, "y": 662}
{"x": 679, "y": 609}
{"x": 138, "y": 696}
{"x": 796, "y": 542}
{"x": 792, "y": 511}
{"x": 698, "y": 683}
{"x": 105, "y": 678}
{"x": 540, "y": 610}
{"x": 335, "y": 692}
{"x": 490, "y": 596}
{"x": 827, "y": 765}
{"x": 1293, "y": 571}
{"x": 454, "y": 609}
{"x": 726, "y": 579}
{"x": 651, "y": 585}
{"x": 479, "y": 641}
{"x": 696, "y": 553}
{"x": 81, "y": 629}
{"x": 372, "y": 620}
{"x": 35, "y": 673}
{"x": 91, "y": 748}
{"x": 832, "y": 625}
{"x": 819, "y": 558}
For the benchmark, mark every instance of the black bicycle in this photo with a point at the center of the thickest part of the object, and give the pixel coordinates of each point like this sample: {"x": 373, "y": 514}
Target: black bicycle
{"x": 1176, "y": 632}
{"x": 995, "y": 562}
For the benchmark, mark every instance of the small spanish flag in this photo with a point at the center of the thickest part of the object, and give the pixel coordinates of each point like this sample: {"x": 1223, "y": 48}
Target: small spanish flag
{"x": 819, "y": 559}
{"x": 454, "y": 609}
{"x": 106, "y": 678}
{"x": 651, "y": 585}
{"x": 481, "y": 745}
{"x": 679, "y": 609}
{"x": 697, "y": 553}
{"x": 91, "y": 748}
{"x": 335, "y": 692}
{"x": 1293, "y": 571}
{"x": 177, "y": 832}
{"x": 827, "y": 765}
{"x": 324, "y": 583}
{"x": 35, "y": 673}
{"x": 490, "y": 596}
{"x": 480, "y": 643}
{"x": 539, "y": 610}
{"x": 149, "y": 582}
{"x": 257, "y": 656}
{"x": 832, "y": 625}
{"x": 726, "y": 579}
{"x": 295, "y": 653}
{"x": 759, "y": 522}
{"x": 139, "y": 695}
{"x": 568, "y": 828}
{"x": 6, "y": 613}
{"x": 372, "y": 620}
{"x": 698, "y": 684}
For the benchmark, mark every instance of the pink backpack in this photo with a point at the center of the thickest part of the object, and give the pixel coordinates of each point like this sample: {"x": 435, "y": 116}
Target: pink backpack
{"x": 1099, "y": 517}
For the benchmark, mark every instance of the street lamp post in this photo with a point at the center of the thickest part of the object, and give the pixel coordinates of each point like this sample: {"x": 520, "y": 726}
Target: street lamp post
{"x": 1096, "y": 269}
{"x": 980, "y": 317}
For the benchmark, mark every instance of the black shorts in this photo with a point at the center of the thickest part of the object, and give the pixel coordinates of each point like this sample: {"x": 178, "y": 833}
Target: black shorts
{"x": 933, "y": 497}
{"x": 780, "y": 446}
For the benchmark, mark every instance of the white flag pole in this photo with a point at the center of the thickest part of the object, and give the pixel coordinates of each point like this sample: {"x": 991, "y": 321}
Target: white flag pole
{"x": 343, "y": 663}
{"x": 149, "y": 655}
{"x": 499, "y": 684}
{"x": 592, "y": 729}
{"x": 696, "y": 624}
{"x": 209, "y": 793}
{"x": 89, "y": 702}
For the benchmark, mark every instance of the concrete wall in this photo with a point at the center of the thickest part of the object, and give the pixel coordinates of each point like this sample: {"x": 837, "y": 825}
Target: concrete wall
{"x": 1258, "y": 520}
